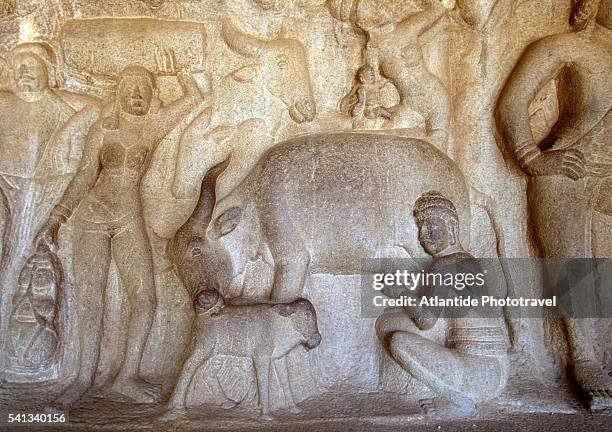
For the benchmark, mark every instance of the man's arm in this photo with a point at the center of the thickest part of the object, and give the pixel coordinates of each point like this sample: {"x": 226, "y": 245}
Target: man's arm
{"x": 87, "y": 173}
{"x": 537, "y": 67}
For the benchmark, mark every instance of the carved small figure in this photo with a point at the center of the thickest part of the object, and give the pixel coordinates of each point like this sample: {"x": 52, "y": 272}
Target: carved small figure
{"x": 364, "y": 101}
{"x": 33, "y": 332}
{"x": 106, "y": 201}
{"x": 474, "y": 366}
{"x": 263, "y": 333}
{"x": 570, "y": 171}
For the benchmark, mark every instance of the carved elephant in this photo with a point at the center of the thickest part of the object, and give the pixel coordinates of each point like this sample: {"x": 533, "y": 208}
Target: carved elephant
{"x": 322, "y": 203}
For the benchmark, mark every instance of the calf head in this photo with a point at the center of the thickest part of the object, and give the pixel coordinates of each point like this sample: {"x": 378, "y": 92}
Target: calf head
{"x": 202, "y": 264}
{"x": 303, "y": 319}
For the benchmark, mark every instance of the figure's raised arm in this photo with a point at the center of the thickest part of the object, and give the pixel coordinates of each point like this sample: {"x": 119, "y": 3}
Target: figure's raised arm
{"x": 171, "y": 113}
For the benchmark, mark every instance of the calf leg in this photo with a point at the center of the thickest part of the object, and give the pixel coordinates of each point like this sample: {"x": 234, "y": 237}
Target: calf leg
{"x": 262, "y": 372}
{"x": 282, "y": 372}
{"x": 200, "y": 354}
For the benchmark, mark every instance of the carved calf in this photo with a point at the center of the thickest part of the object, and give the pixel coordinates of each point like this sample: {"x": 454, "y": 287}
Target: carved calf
{"x": 265, "y": 333}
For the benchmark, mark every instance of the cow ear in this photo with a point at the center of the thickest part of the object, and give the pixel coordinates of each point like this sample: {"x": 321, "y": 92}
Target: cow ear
{"x": 246, "y": 73}
{"x": 228, "y": 221}
{"x": 284, "y": 309}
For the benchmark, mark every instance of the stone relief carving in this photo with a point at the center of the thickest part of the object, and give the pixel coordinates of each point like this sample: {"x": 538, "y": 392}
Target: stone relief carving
{"x": 33, "y": 331}
{"x": 44, "y": 130}
{"x": 278, "y": 62}
{"x": 105, "y": 199}
{"x": 190, "y": 190}
{"x": 364, "y": 101}
{"x": 474, "y": 366}
{"x": 300, "y": 244}
{"x": 265, "y": 334}
{"x": 572, "y": 162}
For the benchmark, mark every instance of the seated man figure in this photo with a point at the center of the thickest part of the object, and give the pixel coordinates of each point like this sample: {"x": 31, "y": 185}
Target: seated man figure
{"x": 473, "y": 367}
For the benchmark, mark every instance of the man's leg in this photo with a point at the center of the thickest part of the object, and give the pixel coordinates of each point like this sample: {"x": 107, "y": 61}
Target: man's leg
{"x": 561, "y": 211}
{"x": 91, "y": 261}
{"x": 16, "y": 247}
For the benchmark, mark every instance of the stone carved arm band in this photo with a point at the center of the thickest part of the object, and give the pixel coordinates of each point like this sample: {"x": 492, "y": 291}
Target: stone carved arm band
{"x": 537, "y": 67}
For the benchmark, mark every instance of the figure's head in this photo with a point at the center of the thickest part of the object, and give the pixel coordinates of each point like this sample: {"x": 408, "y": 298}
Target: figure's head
{"x": 438, "y": 222}
{"x": 136, "y": 90}
{"x": 303, "y": 319}
{"x": 366, "y": 74}
{"x": 585, "y": 12}
{"x": 34, "y": 67}
{"x": 282, "y": 66}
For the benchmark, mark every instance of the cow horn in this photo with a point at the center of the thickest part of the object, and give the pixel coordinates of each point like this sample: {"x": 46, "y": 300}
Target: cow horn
{"x": 240, "y": 41}
{"x": 206, "y": 202}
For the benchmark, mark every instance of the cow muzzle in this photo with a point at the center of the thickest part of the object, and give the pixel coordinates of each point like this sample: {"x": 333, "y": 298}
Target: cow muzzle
{"x": 312, "y": 342}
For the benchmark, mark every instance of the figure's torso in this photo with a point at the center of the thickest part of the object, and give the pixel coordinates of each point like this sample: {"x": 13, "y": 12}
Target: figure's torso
{"x": 26, "y": 130}
{"x": 124, "y": 158}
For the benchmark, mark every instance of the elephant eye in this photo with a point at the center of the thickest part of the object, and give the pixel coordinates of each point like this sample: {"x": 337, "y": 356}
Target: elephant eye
{"x": 196, "y": 252}
{"x": 282, "y": 64}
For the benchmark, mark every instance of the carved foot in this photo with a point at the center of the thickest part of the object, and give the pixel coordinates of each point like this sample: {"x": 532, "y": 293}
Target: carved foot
{"x": 137, "y": 389}
{"x": 71, "y": 395}
{"x": 173, "y": 414}
{"x": 458, "y": 408}
{"x": 595, "y": 384}
{"x": 295, "y": 409}
{"x": 266, "y": 417}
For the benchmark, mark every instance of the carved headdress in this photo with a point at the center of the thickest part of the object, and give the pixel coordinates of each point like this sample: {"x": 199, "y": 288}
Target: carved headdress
{"x": 433, "y": 203}
{"x": 583, "y": 13}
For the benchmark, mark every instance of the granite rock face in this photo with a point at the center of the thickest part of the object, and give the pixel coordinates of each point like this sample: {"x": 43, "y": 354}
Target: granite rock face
{"x": 193, "y": 192}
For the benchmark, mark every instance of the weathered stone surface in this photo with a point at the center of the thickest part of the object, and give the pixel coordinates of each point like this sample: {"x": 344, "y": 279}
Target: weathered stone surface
{"x": 191, "y": 190}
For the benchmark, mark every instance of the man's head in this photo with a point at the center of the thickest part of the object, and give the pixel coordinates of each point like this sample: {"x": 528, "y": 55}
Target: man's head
{"x": 34, "y": 67}
{"x": 604, "y": 14}
{"x": 438, "y": 222}
{"x": 366, "y": 75}
{"x": 136, "y": 90}
{"x": 585, "y": 12}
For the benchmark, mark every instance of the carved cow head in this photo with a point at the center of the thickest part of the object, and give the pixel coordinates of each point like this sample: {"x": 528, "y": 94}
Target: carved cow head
{"x": 282, "y": 65}
{"x": 202, "y": 264}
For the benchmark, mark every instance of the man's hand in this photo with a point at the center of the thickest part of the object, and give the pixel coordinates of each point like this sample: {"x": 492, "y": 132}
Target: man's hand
{"x": 48, "y": 235}
{"x": 188, "y": 83}
{"x": 570, "y": 163}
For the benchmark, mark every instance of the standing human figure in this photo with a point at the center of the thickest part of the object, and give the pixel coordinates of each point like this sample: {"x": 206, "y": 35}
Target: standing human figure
{"x": 42, "y": 132}
{"x": 569, "y": 189}
{"x": 105, "y": 201}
